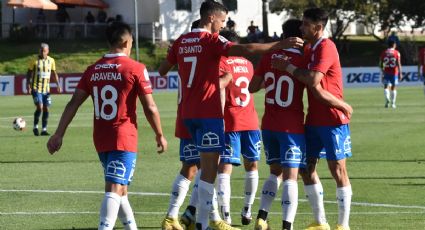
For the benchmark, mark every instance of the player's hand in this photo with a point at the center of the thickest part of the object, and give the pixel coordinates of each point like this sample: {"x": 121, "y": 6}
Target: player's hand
{"x": 161, "y": 143}
{"x": 291, "y": 42}
{"x": 347, "y": 110}
{"x": 280, "y": 63}
{"x": 29, "y": 90}
{"x": 59, "y": 89}
{"x": 54, "y": 143}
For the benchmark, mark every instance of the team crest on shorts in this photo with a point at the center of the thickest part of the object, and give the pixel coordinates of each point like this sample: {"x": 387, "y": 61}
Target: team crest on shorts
{"x": 210, "y": 139}
{"x": 190, "y": 150}
{"x": 115, "y": 169}
{"x": 293, "y": 154}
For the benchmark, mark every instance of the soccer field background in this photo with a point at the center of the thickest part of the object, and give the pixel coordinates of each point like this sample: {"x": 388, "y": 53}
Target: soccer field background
{"x": 64, "y": 191}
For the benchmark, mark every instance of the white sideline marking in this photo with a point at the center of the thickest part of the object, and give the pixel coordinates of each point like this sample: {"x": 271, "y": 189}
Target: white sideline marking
{"x": 162, "y": 213}
{"x": 233, "y": 197}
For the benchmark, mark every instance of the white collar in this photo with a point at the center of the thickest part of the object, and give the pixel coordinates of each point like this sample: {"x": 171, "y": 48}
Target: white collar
{"x": 317, "y": 43}
{"x": 197, "y": 30}
{"x": 115, "y": 55}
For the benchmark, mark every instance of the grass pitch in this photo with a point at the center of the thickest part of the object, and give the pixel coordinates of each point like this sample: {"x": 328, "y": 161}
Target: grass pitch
{"x": 64, "y": 191}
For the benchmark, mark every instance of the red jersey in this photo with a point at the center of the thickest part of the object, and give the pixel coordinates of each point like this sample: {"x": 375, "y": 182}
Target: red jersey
{"x": 389, "y": 60}
{"x": 239, "y": 110}
{"x": 198, "y": 54}
{"x": 323, "y": 57}
{"x": 181, "y": 130}
{"x": 284, "y": 94}
{"x": 114, "y": 83}
{"x": 421, "y": 59}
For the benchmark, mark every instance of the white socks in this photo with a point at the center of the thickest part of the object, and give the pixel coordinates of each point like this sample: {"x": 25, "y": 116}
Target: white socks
{"x": 109, "y": 211}
{"x": 251, "y": 185}
{"x": 205, "y": 204}
{"x": 289, "y": 200}
{"x": 125, "y": 214}
{"x": 387, "y": 95}
{"x": 214, "y": 215}
{"x": 269, "y": 191}
{"x": 223, "y": 194}
{"x": 194, "y": 196}
{"x": 343, "y": 197}
{"x": 178, "y": 193}
{"x": 314, "y": 194}
{"x": 393, "y": 96}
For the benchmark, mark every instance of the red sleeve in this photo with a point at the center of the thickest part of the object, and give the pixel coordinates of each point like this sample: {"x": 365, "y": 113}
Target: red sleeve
{"x": 324, "y": 57}
{"x": 171, "y": 56}
{"x": 83, "y": 83}
{"x": 221, "y": 45}
{"x": 224, "y": 67}
{"x": 143, "y": 83}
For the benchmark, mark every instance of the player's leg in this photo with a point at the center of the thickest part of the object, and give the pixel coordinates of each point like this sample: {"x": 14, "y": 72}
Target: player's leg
{"x": 125, "y": 213}
{"x": 38, "y": 102}
{"x": 338, "y": 147}
{"x": 292, "y": 153}
{"x": 46, "y": 104}
{"x": 188, "y": 217}
{"x": 189, "y": 157}
{"x": 224, "y": 190}
{"x": 118, "y": 170}
{"x": 209, "y": 141}
{"x": 393, "y": 92}
{"x": 271, "y": 185}
{"x": 251, "y": 150}
{"x": 387, "y": 85}
{"x": 228, "y": 158}
{"x": 312, "y": 186}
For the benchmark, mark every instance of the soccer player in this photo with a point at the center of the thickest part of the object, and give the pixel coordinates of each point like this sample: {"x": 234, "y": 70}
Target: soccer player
{"x": 242, "y": 135}
{"x": 38, "y": 85}
{"x": 327, "y": 118}
{"x": 282, "y": 129}
{"x": 390, "y": 64}
{"x": 421, "y": 64}
{"x": 197, "y": 55}
{"x": 114, "y": 82}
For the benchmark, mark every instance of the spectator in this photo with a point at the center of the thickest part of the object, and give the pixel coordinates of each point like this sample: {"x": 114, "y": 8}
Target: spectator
{"x": 118, "y": 18}
{"x": 275, "y": 37}
{"x": 252, "y": 32}
{"x": 230, "y": 24}
{"x": 89, "y": 17}
{"x": 101, "y": 16}
{"x": 62, "y": 17}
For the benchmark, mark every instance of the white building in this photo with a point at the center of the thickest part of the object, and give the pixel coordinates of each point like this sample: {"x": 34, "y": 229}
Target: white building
{"x": 170, "y": 18}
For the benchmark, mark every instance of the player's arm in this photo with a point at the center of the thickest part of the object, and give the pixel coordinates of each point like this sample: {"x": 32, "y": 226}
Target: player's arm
{"x": 261, "y": 48}
{"x": 225, "y": 79}
{"x": 152, "y": 115}
{"x": 330, "y": 100}
{"x": 55, "y": 75}
{"x": 164, "y": 67}
{"x": 29, "y": 74}
{"x": 400, "y": 72}
{"x": 309, "y": 77}
{"x": 55, "y": 142}
{"x": 256, "y": 83}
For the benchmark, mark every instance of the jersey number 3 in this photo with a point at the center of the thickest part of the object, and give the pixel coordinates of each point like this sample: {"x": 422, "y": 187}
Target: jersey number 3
{"x": 112, "y": 102}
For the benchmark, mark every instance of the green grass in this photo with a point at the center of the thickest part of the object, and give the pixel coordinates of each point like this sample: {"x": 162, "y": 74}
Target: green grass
{"x": 386, "y": 170}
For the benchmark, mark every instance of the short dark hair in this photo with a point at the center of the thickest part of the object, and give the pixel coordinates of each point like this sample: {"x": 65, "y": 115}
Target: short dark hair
{"x": 391, "y": 43}
{"x": 230, "y": 35}
{"x": 291, "y": 28}
{"x": 209, "y": 7}
{"x": 317, "y": 15}
{"x": 195, "y": 24}
{"x": 115, "y": 31}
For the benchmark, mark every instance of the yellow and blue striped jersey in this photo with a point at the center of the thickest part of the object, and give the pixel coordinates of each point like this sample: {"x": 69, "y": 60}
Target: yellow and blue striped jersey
{"x": 41, "y": 72}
